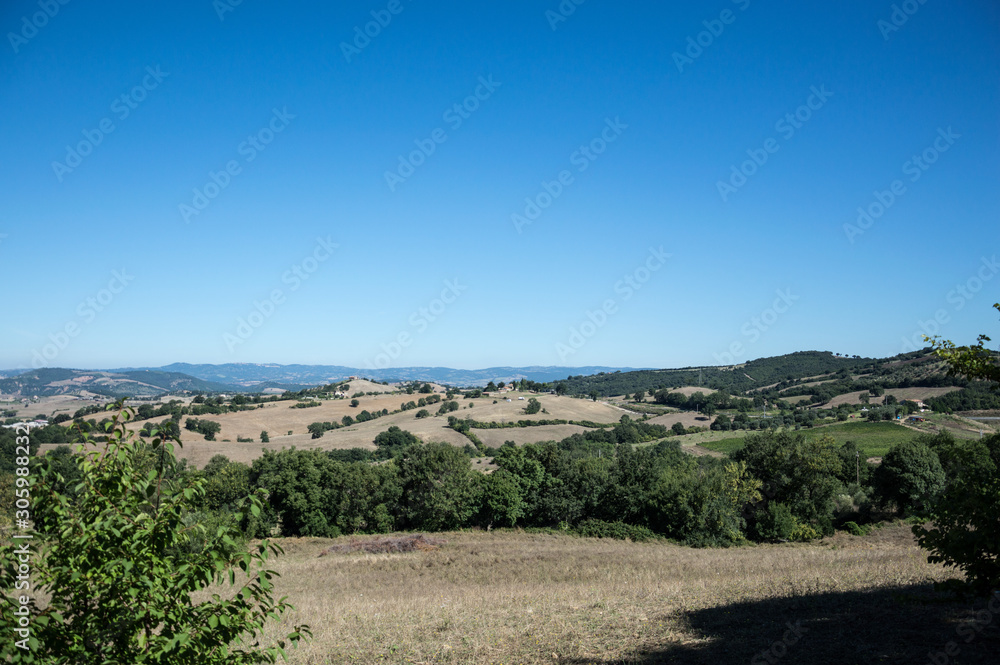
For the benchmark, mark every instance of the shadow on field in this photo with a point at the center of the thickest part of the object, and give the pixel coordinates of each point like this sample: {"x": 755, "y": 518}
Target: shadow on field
{"x": 912, "y": 625}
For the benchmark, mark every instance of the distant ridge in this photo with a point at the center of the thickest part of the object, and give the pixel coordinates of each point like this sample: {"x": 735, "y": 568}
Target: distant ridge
{"x": 249, "y": 375}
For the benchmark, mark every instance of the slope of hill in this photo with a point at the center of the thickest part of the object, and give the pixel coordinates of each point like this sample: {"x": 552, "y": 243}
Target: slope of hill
{"x": 755, "y": 374}
{"x": 138, "y": 383}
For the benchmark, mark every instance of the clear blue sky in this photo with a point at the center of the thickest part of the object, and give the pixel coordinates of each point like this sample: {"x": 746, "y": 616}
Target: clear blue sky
{"x": 188, "y": 94}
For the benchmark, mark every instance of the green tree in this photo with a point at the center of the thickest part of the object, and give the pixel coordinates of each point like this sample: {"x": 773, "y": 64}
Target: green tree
{"x": 393, "y": 441}
{"x": 533, "y": 406}
{"x": 355, "y": 403}
{"x": 722, "y": 423}
{"x": 264, "y": 437}
{"x": 440, "y": 489}
{"x": 801, "y": 473}
{"x": 678, "y": 429}
{"x": 119, "y": 576}
{"x": 503, "y": 499}
{"x": 909, "y": 476}
{"x": 965, "y": 532}
{"x": 972, "y": 362}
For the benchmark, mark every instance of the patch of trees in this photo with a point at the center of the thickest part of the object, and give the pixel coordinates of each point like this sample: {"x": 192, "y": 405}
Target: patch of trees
{"x": 976, "y": 396}
{"x": 308, "y": 404}
{"x": 207, "y": 428}
{"x": 318, "y": 429}
{"x": 753, "y": 375}
{"x": 447, "y": 407}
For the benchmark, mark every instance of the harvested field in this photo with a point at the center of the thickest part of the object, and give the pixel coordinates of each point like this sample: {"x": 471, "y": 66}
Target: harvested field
{"x": 899, "y": 393}
{"x": 686, "y": 418}
{"x": 496, "y": 437}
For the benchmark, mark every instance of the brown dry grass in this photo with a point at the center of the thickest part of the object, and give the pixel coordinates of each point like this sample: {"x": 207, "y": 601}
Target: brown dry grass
{"x": 686, "y": 418}
{"x": 513, "y": 597}
{"x": 496, "y": 437}
{"x": 277, "y": 419}
{"x": 899, "y": 393}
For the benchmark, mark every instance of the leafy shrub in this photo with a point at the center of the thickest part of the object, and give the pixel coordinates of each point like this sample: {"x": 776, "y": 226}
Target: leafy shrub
{"x": 775, "y": 523}
{"x": 855, "y": 530}
{"x": 118, "y": 569}
{"x": 910, "y": 476}
{"x": 965, "y": 531}
{"x": 618, "y": 530}
{"x": 803, "y": 533}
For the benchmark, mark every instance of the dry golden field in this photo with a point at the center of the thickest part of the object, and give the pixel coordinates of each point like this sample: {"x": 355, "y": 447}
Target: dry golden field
{"x": 686, "y": 418}
{"x": 512, "y": 597}
{"x": 496, "y": 437}
{"x": 898, "y": 393}
{"x": 278, "y": 418}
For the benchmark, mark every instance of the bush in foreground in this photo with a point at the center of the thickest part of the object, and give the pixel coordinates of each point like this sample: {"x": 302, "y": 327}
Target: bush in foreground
{"x": 117, "y": 565}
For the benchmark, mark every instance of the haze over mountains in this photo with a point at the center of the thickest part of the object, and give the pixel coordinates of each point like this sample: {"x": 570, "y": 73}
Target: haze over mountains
{"x": 837, "y": 374}
{"x": 253, "y": 377}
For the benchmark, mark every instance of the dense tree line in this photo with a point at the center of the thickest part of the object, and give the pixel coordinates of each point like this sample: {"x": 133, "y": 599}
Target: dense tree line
{"x": 977, "y": 396}
{"x": 752, "y": 375}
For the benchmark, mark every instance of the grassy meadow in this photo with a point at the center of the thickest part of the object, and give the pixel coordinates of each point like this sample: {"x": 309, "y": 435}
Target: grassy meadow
{"x": 515, "y": 597}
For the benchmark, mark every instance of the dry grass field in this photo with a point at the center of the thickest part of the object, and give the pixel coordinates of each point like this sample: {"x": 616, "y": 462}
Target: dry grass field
{"x": 512, "y": 597}
{"x": 899, "y": 393}
{"x": 686, "y": 418}
{"x": 278, "y": 418}
{"x": 496, "y": 437}
{"x": 49, "y": 406}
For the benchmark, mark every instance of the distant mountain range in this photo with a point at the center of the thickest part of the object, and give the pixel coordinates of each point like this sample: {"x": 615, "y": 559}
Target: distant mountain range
{"x": 249, "y": 377}
{"x": 134, "y": 383}
{"x": 253, "y": 375}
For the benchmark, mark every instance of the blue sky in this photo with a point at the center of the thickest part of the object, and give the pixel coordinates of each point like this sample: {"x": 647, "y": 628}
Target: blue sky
{"x": 618, "y": 121}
